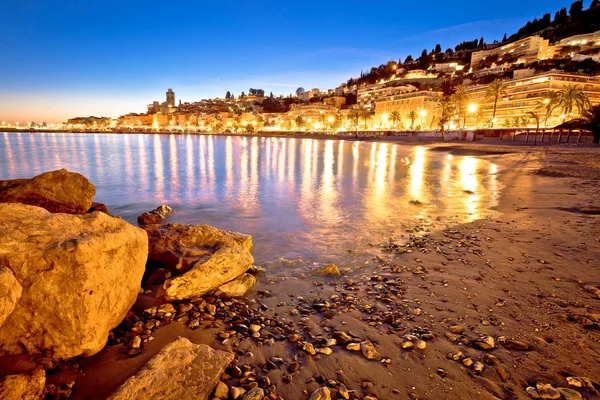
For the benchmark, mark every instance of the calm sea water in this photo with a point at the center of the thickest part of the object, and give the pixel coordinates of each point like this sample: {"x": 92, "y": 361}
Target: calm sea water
{"x": 307, "y": 198}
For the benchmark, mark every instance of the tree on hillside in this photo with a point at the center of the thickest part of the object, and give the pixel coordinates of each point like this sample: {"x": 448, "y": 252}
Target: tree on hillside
{"x": 408, "y": 59}
{"x": 299, "y": 121}
{"x": 496, "y": 90}
{"x": 228, "y": 95}
{"x": 438, "y": 48}
{"x": 504, "y": 38}
{"x": 576, "y": 8}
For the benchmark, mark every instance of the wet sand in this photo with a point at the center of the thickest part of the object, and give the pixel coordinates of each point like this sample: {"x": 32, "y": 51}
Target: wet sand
{"x": 524, "y": 272}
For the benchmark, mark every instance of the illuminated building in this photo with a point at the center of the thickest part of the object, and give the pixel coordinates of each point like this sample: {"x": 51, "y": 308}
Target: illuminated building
{"x": 526, "y": 50}
{"x": 369, "y": 95}
{"x": 171, "y": 97}
{"x": 424, "y": 104}
{"x": 527, "y": 94}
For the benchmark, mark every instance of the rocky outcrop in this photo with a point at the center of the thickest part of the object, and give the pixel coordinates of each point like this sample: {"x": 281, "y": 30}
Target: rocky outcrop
{"x": 155, "y": 216}
{"x": 10, "y": 293}
{"x": 24, "y": 386}
{"x": 99, "y": 207}
{"x": 80, "y": 275}
{"x": 237, "y": 287}
{"x": 57, "y": 191}
{"x": 181, "y": 370}
{"x": 207, "y": 256}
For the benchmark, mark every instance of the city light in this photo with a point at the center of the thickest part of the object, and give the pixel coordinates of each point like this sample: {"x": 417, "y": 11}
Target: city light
{"x": 472, "y": 108}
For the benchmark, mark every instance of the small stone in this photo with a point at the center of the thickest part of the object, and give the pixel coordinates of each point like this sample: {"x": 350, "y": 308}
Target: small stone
{"x": 457, "y": 329}
{"x": 254, "y": 328}
{"x": 293, "y": 367}
{"x": 490, "y": 359}
{"x": 342, "y": 338}
{"x": 353, "y": 346}
{"x": 516, "y": 345}
{"x": 343, "y": 391}
{"x": 309, "y": 348}
{"x": 441, "y": 372}
{"x": 329, "y": 270}
{"x": 421, "y": 345}
{"x": 547, "y": 391}
{"x": 330, "y": 342}
{"x": 369, "y": 351}
{"x": 478, "y": 367}
{"x": 324, "y": 350}
{"x": 502, "y": 373}
{"x": 236, "y": 392}
{"x": 485, "y": 343}
{"x": 322, "y": 393}
{"x": 407, "y": 345}
{"x": 467, "y": 362}
{"x": 569, "y": 394}
{"x": 451, "y": 337}
{"x": 136, "y": 342}
{"x": 532, "y": 392}
{"x": 294, "y": 337}
{"x": 221, "y": 391}
{"x": 255, "y": 394}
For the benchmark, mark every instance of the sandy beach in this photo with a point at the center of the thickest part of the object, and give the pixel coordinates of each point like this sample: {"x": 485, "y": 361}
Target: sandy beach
{"x": 526, "y": 276}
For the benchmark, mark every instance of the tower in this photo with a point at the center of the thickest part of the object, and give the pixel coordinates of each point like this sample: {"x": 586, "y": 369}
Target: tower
{"x": 171, "y": 97}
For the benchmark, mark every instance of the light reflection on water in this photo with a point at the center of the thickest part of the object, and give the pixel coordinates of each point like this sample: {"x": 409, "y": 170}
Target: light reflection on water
{"x": 297, "y": 197}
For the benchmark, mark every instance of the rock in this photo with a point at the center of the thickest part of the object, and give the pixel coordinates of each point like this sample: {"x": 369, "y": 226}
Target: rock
{"x": 368, "y": 350}
{"x": 98, "y": 207}
{"x": 10, "y": 293}
{"x": 532, "y": 392}
{"x": 457, "y": 329}
{"x": 309, "y": 348}
{"x": 353, "y": 346}
{"x": 155, "y": 216}
{"x": 569, "y": 394}
{"x": 215, "y": 257}
{"x": 57, "y": 191}
{"x": 484, "y": 343}
{"x": 237, "y": 287}
{"x": 329, "y": 270}
{"x": 254, "y": 394}
{"x": 322, "y": 393}
{"x": 342, "y": 337}
{"x": 221, "y": 391}
{"x": 24, "y": 386}
{"x": 478, "y": 367}
{"x": 492, "y": 387}
{"x": 516, "y": 345}
{"x": 343, "y": 391}
{"x": 181, "y": 370}
{"x": 136, "y": 342}
{"x": 547, "y": 391}
{"x": 80, "y": 275}
{"x": 236, "y": 392}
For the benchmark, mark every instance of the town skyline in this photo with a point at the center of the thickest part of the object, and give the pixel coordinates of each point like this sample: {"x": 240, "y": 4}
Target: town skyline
{"x": 55, "y": 88}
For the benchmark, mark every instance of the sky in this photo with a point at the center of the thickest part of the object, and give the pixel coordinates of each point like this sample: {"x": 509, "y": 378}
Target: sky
{"x": 61, "y": 59}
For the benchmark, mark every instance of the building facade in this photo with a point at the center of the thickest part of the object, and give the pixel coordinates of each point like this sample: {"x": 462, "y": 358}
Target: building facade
{"x": 417, "y": 109}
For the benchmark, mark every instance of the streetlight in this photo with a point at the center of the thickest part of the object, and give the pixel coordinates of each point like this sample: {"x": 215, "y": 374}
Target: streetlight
{"x": 472, "y": 108}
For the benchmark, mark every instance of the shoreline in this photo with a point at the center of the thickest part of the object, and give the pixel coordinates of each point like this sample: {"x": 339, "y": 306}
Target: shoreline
{"x": 520, "y": 274}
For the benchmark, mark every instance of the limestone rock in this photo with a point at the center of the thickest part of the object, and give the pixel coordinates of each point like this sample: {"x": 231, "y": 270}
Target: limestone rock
{"x": 80, "y": 275}
{"x": 221, "y": 391}
{"x": 155, "y": 216}
{"x": 10, "y": 293}
{"x": 215, "y": 257}
{"x": 254, "y": 394}
{"x": 23, "y": 387}
{"x": 369, "y": 351}
{"x": 181, "y": 370}
{"x": 569, "y": 394}
{"x": 57, "y": 191}
{"x": 547, "y": 391}
{"x": 237, "y": 287}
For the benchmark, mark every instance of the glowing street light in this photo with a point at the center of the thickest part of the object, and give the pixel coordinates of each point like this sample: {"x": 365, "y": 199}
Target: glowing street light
{"x": 472, "y": 108}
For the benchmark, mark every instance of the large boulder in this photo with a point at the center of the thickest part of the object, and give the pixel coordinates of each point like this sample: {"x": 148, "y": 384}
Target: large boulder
{"x": 57, "y": 191}
{"x": 10, "y": 293}
{"x": 24, "y": 386}
{"x": 80, "y": 275}
{"x": 237, "y": 287}
{"x": 209, "y": 257}
{"x": 181, "y": 370}
{"x": 155, "y": 216}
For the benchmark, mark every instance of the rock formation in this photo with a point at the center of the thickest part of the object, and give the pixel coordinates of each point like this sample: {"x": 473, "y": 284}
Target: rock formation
{"x": 181, "y": 370}
{"x": 155, "y": 216}
{"x": 10, "y": 293}
{"x": 207, "y": 256}
{"x": 79, "y": 274}
{"x": 24, "y": 386}
{"x": 57, "y": 191}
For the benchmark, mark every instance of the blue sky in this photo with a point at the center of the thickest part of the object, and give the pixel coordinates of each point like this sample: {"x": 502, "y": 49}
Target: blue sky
{"x": 60, "y": 59}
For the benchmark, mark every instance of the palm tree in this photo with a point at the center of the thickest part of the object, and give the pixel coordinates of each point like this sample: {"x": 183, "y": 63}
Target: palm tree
{"x": 412, "y": 116}
{"x": 533, "y": 116}
{"x": 571, "y": 98}
{"x": 496, "y": 90}
{"x": 353, "y": 118}
{"x": 299, "y": 122}
{"x": 446, "y": 110}
{"x": 365, "y": 115}
{"x": 395, "y": 117}
{"x": 461, "y": 99}
{"x": 546, "y": 103}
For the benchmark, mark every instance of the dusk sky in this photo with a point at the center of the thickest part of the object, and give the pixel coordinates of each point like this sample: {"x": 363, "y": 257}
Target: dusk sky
{"x": 60, "y": 59}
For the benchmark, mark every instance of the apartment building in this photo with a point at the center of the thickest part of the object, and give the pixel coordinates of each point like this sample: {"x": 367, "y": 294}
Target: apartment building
{"x": 527, "y": 94}
{"x": 369, "y": 95}
{"x": 525, "y": 50}
{"x": 417, "y": 109}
